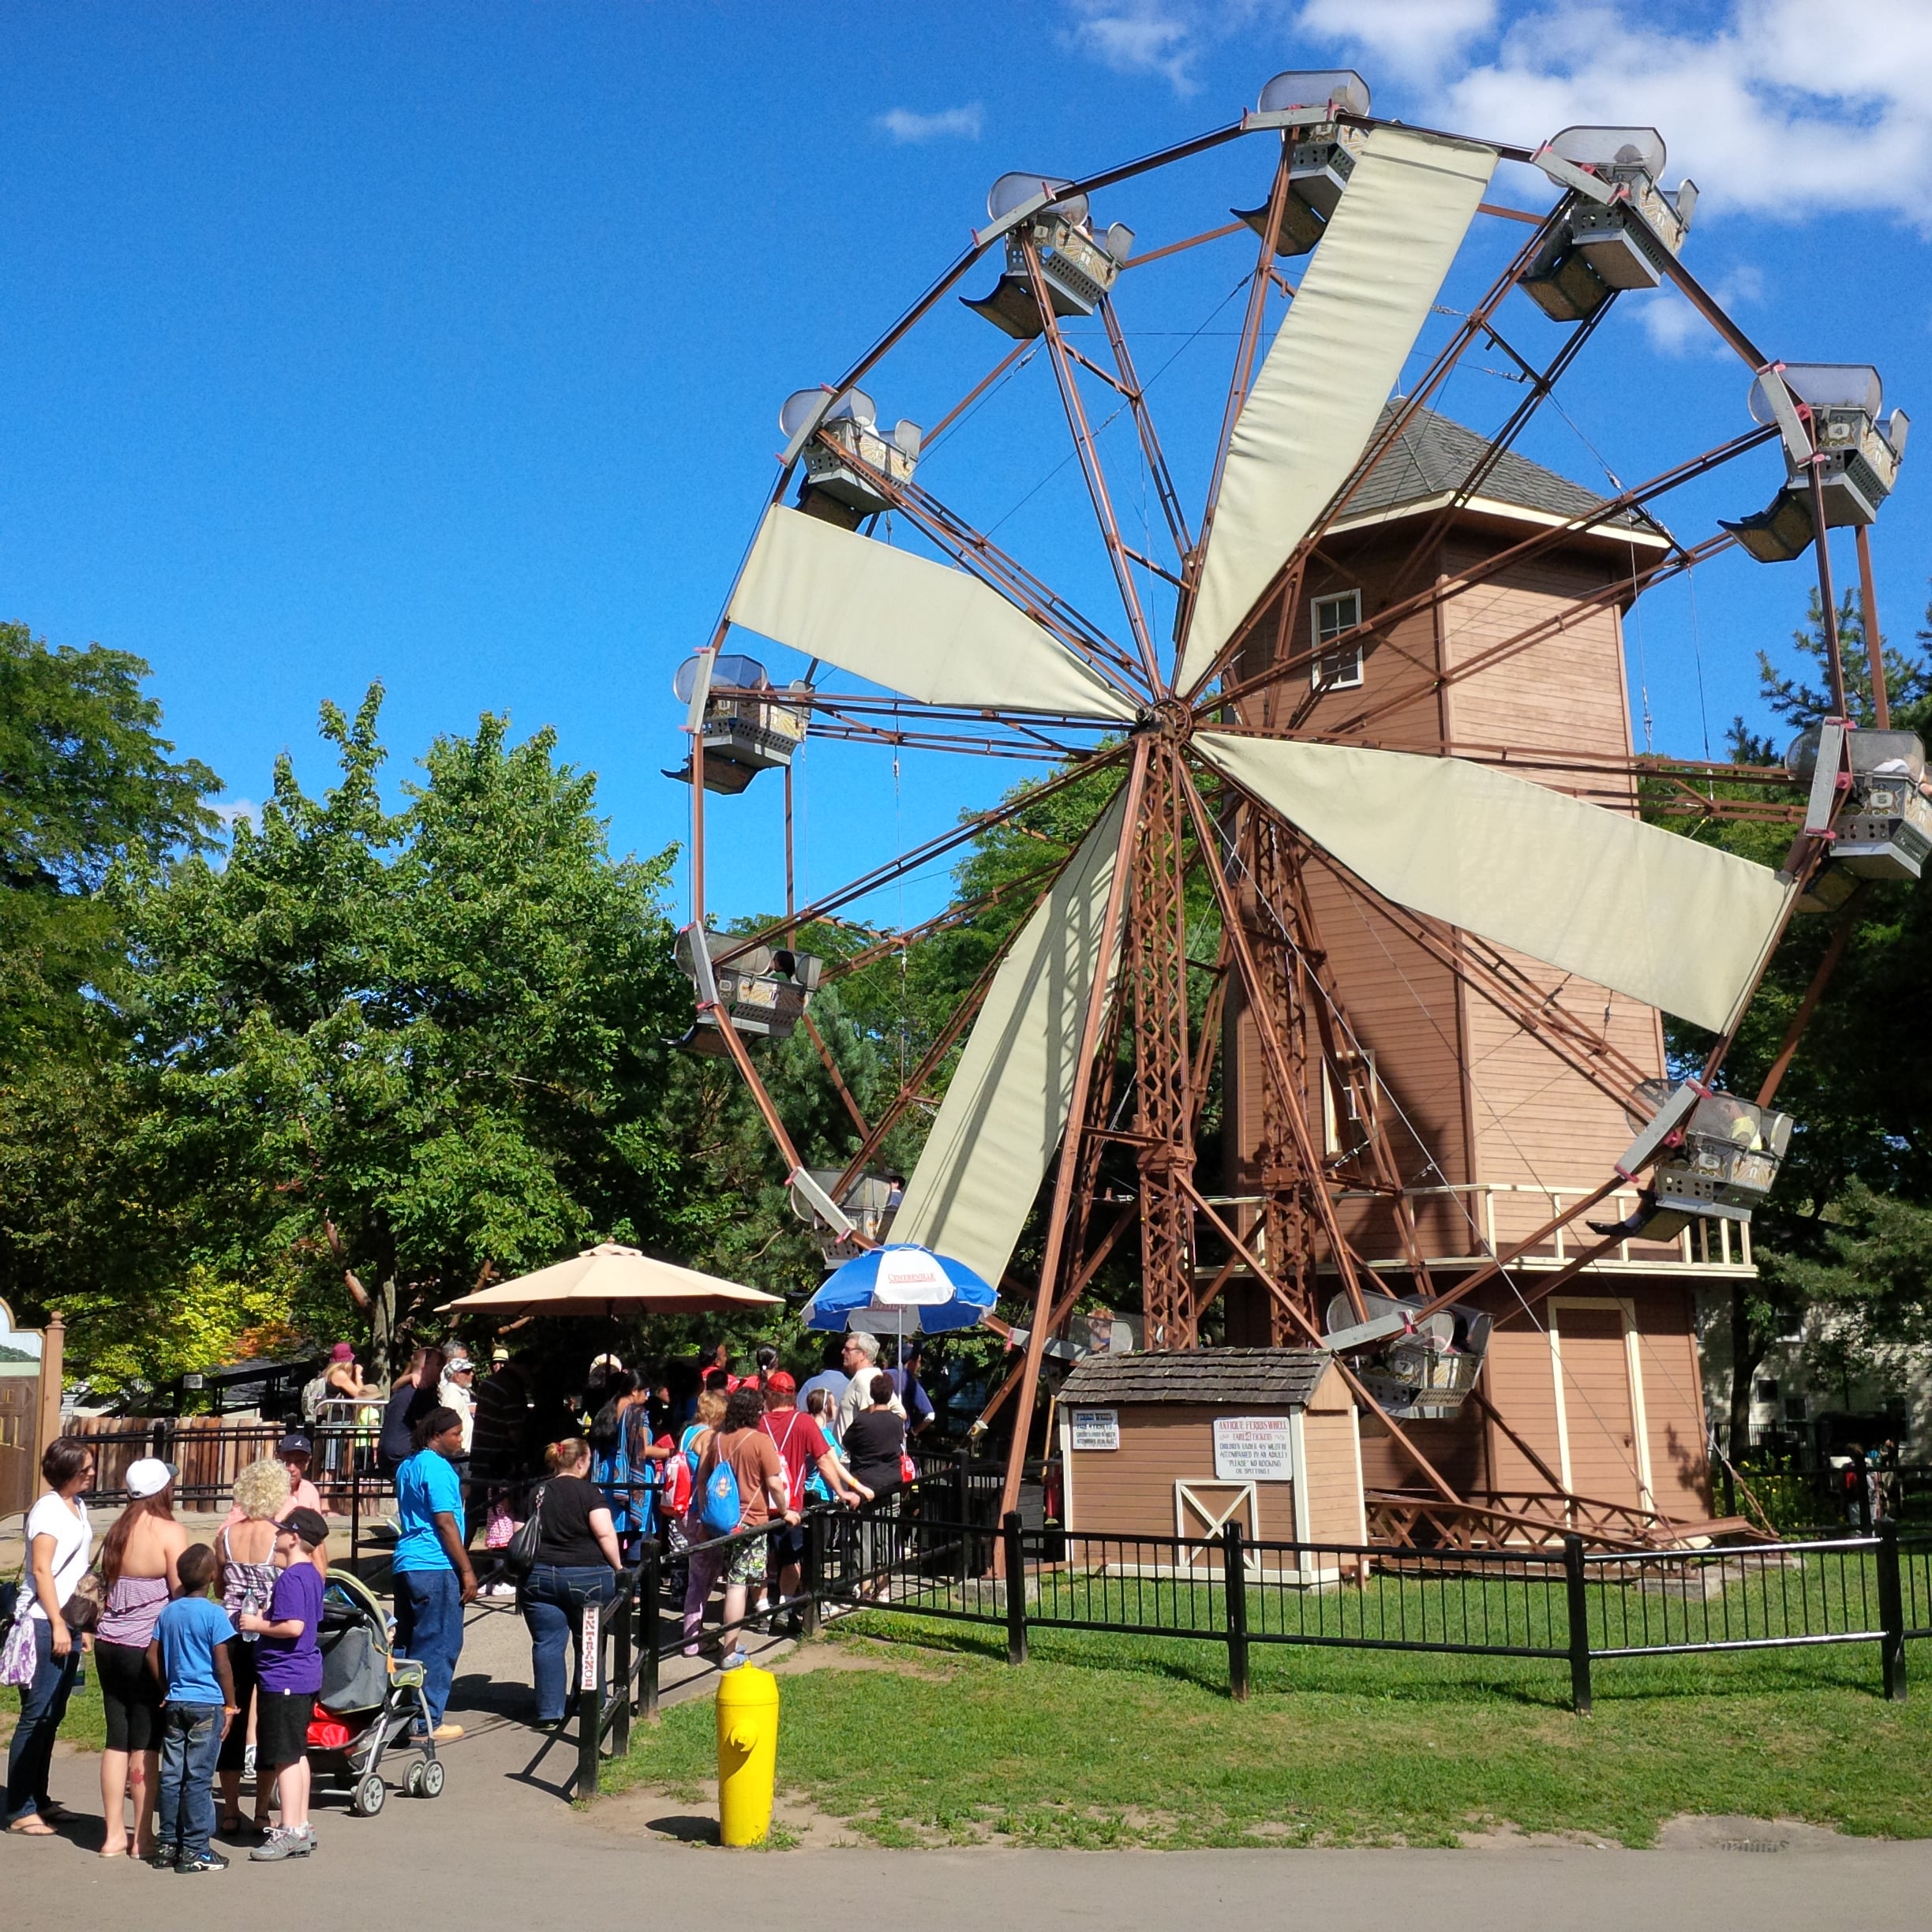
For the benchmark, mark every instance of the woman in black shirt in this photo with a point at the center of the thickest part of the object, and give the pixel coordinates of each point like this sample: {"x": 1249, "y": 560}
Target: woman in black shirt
{"x": 577, "y": 1563}
{"x": 875, "y": 1441}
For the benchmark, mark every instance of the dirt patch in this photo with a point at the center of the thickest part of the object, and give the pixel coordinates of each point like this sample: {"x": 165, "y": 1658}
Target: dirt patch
{"x": 1692, "y": 1833}
{"x": 1501, "y": 1834}
{"x": 856, "y": 1655}
{"x": 687, "y": 1815}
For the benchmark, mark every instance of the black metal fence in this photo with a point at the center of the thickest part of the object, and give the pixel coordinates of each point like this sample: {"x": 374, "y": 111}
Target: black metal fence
{"x": 912, "y": 1555}
{"x": 208, "y": 1456}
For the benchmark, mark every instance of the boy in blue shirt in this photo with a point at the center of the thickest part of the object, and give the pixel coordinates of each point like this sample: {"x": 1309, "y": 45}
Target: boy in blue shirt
{"x": 188, "y": 1657}
{"x": 431, "y": 1568}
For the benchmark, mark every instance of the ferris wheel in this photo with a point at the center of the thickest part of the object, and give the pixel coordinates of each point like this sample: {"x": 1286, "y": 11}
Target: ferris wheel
{"x": 1270, "y": 696}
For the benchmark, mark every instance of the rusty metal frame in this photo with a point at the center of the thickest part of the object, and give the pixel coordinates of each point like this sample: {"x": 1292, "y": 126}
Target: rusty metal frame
{"x": 1092, "y": 468}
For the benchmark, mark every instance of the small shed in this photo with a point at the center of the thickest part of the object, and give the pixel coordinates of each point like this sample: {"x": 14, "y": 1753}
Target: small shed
{"x": 1180, "y": 1444}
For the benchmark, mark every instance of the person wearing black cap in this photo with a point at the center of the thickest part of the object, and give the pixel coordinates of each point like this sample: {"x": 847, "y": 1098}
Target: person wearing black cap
{"x": 289, "y": 1666}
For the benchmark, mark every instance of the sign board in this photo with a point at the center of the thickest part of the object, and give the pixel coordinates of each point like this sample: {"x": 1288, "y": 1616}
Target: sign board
{"x": 1096, "y": 1428}
{"x": 593, "y": 1642}
{"x": 909, "y": 1277}
{"x": 1252, "y": 1449}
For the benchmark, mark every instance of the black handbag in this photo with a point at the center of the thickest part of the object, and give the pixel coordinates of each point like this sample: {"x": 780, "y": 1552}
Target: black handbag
{"x": 519, "y": 1556}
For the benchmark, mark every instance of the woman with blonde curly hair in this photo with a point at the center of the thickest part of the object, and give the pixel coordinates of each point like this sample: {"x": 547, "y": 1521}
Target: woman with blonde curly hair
{"x": 246, "y": 1549}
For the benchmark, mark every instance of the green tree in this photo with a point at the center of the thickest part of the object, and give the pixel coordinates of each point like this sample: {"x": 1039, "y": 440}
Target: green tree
{"x": 1839, "y": 1230}
{"x": 87, "y": 783}
{"x": 380, "y": 1056}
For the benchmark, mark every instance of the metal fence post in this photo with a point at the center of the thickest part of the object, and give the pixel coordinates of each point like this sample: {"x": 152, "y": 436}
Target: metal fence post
{"x": 621, "y": 1629}
{"x": 589, "y": 1704}
{"x": 962, "y": 1512}
{"x": 1016, "y": 1589}
{"x": 1234, "y": 1575}
{"x": 814, "y": 1572}
{"x": 650, "y": 1605}
{"x": 1891, "y": 1611}
{"x": 1579, "y": 1626}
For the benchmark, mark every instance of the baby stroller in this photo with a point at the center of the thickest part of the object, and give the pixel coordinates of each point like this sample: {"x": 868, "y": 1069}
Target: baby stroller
{"x": 370, "y": 1699}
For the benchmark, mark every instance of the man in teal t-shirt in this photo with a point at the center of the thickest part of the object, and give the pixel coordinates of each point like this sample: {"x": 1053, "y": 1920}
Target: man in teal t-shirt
{"x": 433, "y": 1579}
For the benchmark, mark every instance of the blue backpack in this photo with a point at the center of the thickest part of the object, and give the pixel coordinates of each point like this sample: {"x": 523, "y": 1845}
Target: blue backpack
{"x": 722, "y": 1508}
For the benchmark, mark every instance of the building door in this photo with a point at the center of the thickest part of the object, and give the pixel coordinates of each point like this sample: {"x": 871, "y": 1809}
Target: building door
{"x": 1598, "y": 1371}
{"x": 19, "y": 1403}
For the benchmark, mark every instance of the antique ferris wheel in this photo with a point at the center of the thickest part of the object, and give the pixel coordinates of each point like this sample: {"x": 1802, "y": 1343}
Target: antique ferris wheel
{"x": 1272, "y": 698}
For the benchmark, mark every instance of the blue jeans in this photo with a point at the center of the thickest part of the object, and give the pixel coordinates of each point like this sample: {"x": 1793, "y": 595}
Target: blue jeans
{"x": 43, "y": 1703}
{"x": 191, "y": 1741}
{"x": 553, "y": 1600}
{"x": 429, "y": 1614}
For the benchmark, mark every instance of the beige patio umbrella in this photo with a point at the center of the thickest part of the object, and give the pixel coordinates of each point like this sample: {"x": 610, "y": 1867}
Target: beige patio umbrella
{"x": 609, "y": 1278}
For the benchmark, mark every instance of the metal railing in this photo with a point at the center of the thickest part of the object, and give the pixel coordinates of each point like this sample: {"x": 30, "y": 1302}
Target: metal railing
{"x": 209, "y": 1454}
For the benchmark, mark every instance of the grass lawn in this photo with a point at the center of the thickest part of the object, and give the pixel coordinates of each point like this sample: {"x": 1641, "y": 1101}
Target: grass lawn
{"x": 917, "y": 1732}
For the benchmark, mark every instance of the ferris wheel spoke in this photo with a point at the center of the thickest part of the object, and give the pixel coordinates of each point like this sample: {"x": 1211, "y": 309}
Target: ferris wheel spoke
{"x": 1370, "y": 630}
{"x": 1316, "y": 402}
{"x": 1606, "y": 596}
{"x": 1386, "y": 438}
{"x": 1274, "y": 1053}
{"x": 936, "y": 847}
{"x": 1135, "y": 391}
{"x": 1090, "y": 467}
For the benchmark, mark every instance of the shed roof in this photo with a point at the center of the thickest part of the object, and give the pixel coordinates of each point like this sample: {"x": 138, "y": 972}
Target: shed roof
{"x": 1268, "y": 1378}
{"x": 1434, "y": 454}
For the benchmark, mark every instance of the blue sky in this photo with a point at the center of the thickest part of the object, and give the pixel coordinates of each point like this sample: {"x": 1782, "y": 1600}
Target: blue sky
{"x": 444, "y": 344}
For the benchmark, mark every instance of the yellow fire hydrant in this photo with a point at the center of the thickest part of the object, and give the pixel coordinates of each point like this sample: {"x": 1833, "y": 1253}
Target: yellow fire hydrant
{"x": 747, "y": 1744}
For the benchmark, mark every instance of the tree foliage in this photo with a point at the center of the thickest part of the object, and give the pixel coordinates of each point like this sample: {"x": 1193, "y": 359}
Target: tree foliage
{"x": 1853, "y": 1204}
{"x": 87, "y": 784}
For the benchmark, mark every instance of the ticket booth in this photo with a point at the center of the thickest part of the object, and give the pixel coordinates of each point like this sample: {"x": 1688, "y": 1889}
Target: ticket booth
{"x": 1179, "y": 1445}
{"x": 30, "y": 1386}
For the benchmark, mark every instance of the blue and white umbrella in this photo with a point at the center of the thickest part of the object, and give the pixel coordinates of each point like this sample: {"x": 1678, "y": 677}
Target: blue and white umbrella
{"x": 901, "y": 1290}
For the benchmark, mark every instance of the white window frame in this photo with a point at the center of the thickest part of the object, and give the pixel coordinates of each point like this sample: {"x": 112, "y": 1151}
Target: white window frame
{"x": 1333, "y": 1096}
{"x": 1323, "y": 613}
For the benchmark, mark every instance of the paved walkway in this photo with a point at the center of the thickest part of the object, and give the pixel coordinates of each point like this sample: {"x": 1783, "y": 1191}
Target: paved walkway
{"x": 500, "y": 1848}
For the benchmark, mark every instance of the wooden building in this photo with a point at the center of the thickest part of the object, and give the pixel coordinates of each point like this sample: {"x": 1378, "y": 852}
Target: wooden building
{"x": 1597, "y": 1392}
{"x": 1179, "y": 1444}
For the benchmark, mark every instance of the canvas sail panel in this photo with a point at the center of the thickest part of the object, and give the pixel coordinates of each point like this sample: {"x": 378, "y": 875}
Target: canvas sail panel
{"x": 1339, "y": 352}
{"x": 911, "y": 625}
{"x": 1675, "y": 924}
{"x": 1007, "y": 1107}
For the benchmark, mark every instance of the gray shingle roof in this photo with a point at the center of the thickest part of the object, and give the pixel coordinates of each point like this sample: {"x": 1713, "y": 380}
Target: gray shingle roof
{"x": 1269, "y": 1378}
{"x": 1433, "y": 454}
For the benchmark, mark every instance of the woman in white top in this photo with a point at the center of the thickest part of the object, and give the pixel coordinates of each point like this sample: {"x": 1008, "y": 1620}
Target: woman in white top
{"x": 59, "y": 1543}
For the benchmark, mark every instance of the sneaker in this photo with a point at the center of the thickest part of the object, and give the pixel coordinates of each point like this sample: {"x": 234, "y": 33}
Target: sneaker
{"x": 281, "y": 1843}
{"x": 732, "y": 1662}
{"x": 209, "y": 1861}
{"x": 163, "y": 1856}
{"x": 446, "y": 1734}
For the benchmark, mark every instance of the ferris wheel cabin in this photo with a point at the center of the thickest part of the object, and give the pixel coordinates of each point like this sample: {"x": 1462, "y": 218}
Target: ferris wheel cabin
{"x": 1076, "y": 265}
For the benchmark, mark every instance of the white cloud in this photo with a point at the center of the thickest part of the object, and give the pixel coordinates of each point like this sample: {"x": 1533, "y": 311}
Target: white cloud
{"x": 229, "y": 811}
{"x": 1790, "y": 108}
{"x": 1675, "y": 329}
{"x": 949, "y": 124}
{"x": 1407, "y": 38}
{"x": 1786, "y": 107}
{"x": 1162, "y": 37}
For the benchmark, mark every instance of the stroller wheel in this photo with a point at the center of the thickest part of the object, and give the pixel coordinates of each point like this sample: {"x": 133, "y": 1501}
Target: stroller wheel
{"x": 429, "y": 1780}
{"x": 412, "y": 1780}
{"x": 370, "y": 1792}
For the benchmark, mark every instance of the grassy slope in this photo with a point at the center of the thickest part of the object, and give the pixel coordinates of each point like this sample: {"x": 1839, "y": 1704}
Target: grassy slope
{"x": 1106, "y": 1741}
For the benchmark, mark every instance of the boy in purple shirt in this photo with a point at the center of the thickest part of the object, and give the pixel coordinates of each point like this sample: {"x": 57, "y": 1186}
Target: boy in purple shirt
{"x": 289, "y": 1664}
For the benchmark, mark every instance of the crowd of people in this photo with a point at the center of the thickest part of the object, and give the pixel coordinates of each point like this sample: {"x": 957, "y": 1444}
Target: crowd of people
{"x": 195, "y": 1645}
{"x": 208, "y": 1654}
